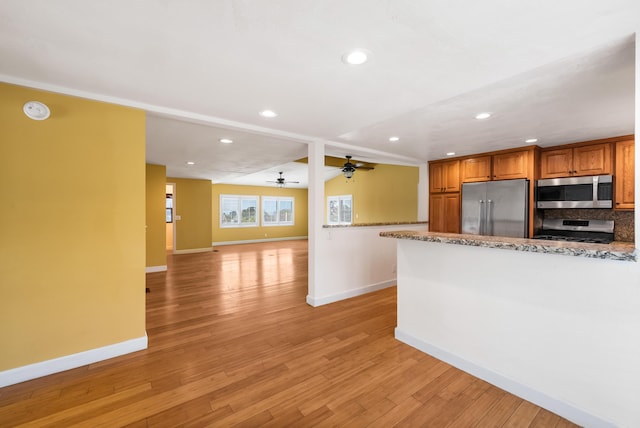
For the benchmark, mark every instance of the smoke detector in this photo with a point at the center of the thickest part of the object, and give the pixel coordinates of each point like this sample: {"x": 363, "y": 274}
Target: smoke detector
{"x": 36, "y": 110}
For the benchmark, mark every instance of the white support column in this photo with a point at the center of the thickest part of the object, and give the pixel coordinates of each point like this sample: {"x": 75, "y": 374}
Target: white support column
{"x": 637, "y": 152}
{"x": 423, "y": 193}
{"x": 316, "y": 214}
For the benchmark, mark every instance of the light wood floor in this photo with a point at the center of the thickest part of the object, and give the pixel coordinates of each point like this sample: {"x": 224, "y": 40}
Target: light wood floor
{"x": 232, "y": 342}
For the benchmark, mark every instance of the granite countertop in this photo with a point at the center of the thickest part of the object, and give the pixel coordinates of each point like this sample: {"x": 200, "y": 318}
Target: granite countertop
{"x": 391, "y": 223}
{"x": 624, "y": 251}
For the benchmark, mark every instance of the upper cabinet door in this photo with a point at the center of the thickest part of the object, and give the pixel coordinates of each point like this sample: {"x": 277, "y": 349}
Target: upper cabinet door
{"x": 451, "y": 173}
{"x": 594, "y": 159}
{"x": 436, "y": 182}
{"x": 476, "y": 169}
{"x": 556, "y": 163}
{"x": 591, "y": 159}
{"x": 508, "y": 166}
{"x": 444, "y": 176}
{"x": 625, "y": 175}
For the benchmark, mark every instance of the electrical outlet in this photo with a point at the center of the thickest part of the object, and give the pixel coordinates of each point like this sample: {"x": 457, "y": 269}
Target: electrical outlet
{"x": 395, "y": 269}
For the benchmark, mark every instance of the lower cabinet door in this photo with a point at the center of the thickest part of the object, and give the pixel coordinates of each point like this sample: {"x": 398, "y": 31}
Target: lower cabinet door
{"x": 444, "y": 213}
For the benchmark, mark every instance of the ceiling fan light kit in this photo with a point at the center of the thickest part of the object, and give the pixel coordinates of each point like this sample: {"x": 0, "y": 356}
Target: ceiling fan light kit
{"x": 348, "y": 168}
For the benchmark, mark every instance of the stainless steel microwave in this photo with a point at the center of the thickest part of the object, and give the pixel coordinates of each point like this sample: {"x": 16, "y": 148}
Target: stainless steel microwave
{"x": 594, "y": 191}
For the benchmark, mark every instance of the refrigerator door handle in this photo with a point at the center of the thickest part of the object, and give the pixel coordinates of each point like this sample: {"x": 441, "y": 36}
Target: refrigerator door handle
{"x": 481, "y": 217}
{"x": 489, "y": 228}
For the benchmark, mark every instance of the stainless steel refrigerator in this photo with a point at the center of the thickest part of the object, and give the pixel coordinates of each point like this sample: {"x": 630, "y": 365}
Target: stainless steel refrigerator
{"x": 497, "y": 208}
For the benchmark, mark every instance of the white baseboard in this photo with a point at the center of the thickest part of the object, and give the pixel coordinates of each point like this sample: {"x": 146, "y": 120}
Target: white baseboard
{"x": 319, "y": 301}
{"x": 56, "y": 365}
{"x": 255, "y": 241}
{"x": 193, "y": 250}
{"x": 562, "y": 408}
{"x": 152, "y": 269}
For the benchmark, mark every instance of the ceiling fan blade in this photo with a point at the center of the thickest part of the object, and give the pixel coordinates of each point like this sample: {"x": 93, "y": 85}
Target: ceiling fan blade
{"x": 339, "y": 162}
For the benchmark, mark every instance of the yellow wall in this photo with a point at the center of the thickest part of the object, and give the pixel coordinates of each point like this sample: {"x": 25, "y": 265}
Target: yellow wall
{"x": 72, "y": 240}
{"x": 252, "y": 233}
{"x": 192, "y": 202}
{"x": 385, "y": 194}
{"x": 156, "y": 252}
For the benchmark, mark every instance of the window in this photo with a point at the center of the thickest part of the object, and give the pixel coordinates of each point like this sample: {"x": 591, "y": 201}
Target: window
{"x": 238, "y": 211}
{"x": 339, "y": 209}
{"x": 277, "y": 211}
{"x": 169, "y": 208}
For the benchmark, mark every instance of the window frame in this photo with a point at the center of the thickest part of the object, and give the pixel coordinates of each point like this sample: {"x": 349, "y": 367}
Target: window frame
{"x": 239, "y": 200}
{"x": 168, "y": 208}
{"x": 278, "y": 200}
{"x": 339, "y": 199}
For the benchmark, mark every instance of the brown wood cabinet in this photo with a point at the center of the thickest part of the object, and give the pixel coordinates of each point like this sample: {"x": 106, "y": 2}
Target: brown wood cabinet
{"x": 444, "y": 196}
{"x": 475, "y": 169}
{"x": 502, "y": 166}
{"x": 624, "y": 175}
{"x": 591, "y": 159}
{"x": 444, "y": 212}
{"x": 512, "y": 165}
{"x": 444, "y": 176}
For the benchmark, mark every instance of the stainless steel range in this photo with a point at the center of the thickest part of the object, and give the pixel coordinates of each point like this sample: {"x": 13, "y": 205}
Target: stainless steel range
{"x": 589, "y": 231}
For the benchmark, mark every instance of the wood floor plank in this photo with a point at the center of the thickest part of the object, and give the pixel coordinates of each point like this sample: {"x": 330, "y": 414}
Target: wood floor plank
{"x": 500, "y": 412}
{"x": 523, "y": 415}
{"x": 87, "y": 408}
{"x": 477, "y": 409}
{"x": 233, "y": 343}
{"x": 546, "y": 419}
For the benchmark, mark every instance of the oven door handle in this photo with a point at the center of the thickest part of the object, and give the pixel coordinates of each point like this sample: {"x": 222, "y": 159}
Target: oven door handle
{"x": 595, "y": 190}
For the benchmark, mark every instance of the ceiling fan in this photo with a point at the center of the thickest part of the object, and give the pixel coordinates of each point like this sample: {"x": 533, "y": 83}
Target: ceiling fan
{"x": 280, "y": 181}
{"x": 349, "y": 167}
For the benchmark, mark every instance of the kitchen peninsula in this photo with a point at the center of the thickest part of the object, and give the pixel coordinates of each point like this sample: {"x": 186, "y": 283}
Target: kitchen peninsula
{"x": 615, "y": 251}
{"x": 554, "y": 323}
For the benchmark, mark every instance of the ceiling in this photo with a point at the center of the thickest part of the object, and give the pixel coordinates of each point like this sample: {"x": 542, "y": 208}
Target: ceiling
{"x": 556, "y": 71}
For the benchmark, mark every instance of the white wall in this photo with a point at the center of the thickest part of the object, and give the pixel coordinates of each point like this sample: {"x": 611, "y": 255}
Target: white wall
{"x": 351, "y": 261}
{"x": 561, "y": 331}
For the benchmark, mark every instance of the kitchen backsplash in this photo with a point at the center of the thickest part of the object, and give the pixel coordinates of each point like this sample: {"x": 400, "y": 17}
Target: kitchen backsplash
{"x": 624, "y": 229}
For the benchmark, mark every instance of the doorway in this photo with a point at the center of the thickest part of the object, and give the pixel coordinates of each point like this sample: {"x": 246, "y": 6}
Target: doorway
{"x": 170, "y": 209}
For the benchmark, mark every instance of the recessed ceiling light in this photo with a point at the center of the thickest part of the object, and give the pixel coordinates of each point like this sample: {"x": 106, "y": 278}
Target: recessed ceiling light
{"x": 355, "y": 57}
{"x": 268, "y": 113}
{"x": 483, "y": 116}
{"x": 394, "y": 139}
{"x": 226, "y": 141}
{"x": 191, "y": 163}
{"x": 531, "y": 140}
{"x": 451, "y": 153}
